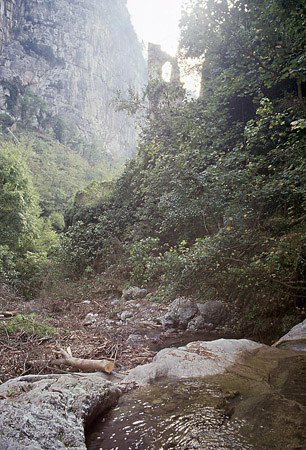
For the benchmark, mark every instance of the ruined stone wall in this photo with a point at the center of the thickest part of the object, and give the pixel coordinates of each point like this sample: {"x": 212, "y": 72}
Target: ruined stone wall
{"x": 76, "y": 55}
{"x": 156, "y": 60}
{"x": 169, "y": 93}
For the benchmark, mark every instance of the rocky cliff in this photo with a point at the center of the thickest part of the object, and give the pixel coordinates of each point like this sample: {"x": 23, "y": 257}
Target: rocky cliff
{"x": 75, "y": 55}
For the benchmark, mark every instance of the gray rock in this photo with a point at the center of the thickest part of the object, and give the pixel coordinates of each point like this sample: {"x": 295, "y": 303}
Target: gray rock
{"x": 126, "y": 315}
{"x": 214, "y": 312}
{"x": 134, "y": 293}
{"x": 116, "y": 301}
{"x": 180, "y": 312}
{"x": 70, "y": 53}
{"x": 109, "y": 321}
{"x": 167, "y": 322}
{"x": 131, "y": 303}
{"x": 49, "y": 412}
{"x": 197, "y": 359}
{"x": 196, "y": 324}
{"x": 90, "y": 318}
{"x": 134, "y": 340}
{"x": 295, "y": 338}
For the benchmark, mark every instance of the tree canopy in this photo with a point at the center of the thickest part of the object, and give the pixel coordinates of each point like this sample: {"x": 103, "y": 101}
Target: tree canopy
{"x": 18, "y": 202}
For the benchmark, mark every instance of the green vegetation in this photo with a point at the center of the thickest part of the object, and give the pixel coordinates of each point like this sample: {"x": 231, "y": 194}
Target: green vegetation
{"x": 43, "y": 162}
{"x": 213, "y": 205}
{"x": 26, "y": 238}
{"x": 28, "y": 324}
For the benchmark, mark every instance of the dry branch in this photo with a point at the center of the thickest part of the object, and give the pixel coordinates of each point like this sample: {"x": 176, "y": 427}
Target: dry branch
{"x": 101, "y": 365}
{"x": 8, "y": 314}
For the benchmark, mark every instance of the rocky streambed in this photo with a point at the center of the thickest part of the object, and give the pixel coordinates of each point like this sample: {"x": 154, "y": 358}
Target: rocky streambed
{"x": 240, "y": 393}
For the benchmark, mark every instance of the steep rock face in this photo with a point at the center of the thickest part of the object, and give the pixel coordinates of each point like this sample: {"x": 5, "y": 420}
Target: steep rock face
{"x": 76, "y": 55}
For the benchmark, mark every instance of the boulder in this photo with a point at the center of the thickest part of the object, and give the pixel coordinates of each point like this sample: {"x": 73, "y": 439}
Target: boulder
{"x": 295, "y": 339}
{"x": 197, "y": 359}
{"x": 180, "y": 312}
{"x": 50, "y": 412}
{"x": 213, "y": 312}
{"x": 198, "y": 323}
{"x": 134, "y": 293}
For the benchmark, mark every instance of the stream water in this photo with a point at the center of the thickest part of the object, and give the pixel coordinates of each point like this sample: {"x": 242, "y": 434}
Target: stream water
{"x": 169, "y": 415}
{"x": 227, "y": 412}
{"x": 264, "y": 410}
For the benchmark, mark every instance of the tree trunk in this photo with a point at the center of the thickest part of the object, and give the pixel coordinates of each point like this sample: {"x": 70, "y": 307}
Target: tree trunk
{"x": 300, "y": 95}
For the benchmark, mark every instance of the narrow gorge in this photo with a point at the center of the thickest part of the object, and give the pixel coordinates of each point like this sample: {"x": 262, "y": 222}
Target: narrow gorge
{"x": 152, "y": 276}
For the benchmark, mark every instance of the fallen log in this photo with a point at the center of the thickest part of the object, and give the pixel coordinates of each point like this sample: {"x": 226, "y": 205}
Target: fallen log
{"x": 8, "y": 313}
{"x": 101, "y": 365}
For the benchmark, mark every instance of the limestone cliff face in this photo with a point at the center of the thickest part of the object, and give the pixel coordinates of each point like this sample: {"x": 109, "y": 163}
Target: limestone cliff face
{"x": 76, "y": 55}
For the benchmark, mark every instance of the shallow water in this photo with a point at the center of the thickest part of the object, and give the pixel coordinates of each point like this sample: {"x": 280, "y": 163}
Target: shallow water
{"x": 180, "y": 338}
{"x": 170, "y": 415}
{"x": 294, "y": 345}
{"x": 259, "y": 404}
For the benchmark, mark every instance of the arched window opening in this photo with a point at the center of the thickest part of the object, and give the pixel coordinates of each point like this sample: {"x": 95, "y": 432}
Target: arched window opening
{"x": 167, "y": 71}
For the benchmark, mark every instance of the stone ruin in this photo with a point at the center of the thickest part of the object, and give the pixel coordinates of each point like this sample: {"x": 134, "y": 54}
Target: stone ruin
{"x": 171, "y": 92}
{"x": 157, "y": 58}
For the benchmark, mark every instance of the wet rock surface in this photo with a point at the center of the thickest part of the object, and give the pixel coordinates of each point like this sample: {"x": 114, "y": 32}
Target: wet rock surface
{"x": 257, "y": 401}
{"x": 50, "y": 411}
{"x": 295, "y": 339}
{"x": 272, "y": 397}
{"x": 197, "y": 359}
{"x": 260, "y": 389}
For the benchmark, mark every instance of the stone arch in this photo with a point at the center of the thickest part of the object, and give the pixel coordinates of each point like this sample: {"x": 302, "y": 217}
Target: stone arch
{"x": 157, "y": 59}
{"x": 167, "y": 71}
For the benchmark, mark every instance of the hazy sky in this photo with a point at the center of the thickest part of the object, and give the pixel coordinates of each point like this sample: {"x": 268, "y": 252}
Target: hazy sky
{"x": 157, "y": 21}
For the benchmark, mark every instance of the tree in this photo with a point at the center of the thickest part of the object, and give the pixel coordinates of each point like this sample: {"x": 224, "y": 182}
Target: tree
{"x": 25, "y": 237}
{"x": 248, "y": 48}
{"x": 18, "y": 202}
